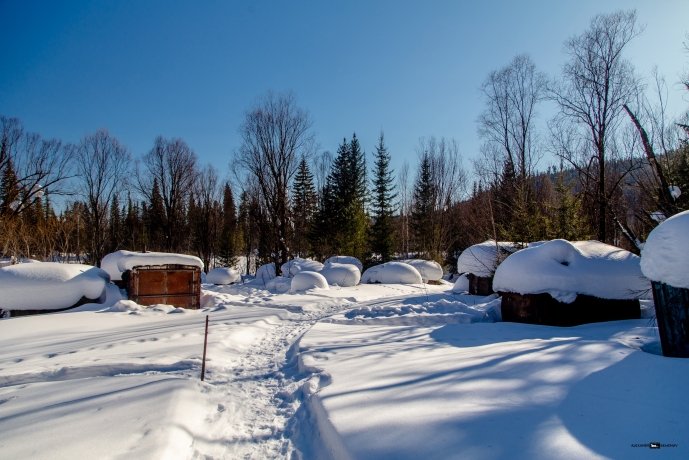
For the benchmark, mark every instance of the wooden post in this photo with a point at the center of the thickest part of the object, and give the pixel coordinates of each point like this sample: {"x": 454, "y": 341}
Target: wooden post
{"x": 205, "y": 344}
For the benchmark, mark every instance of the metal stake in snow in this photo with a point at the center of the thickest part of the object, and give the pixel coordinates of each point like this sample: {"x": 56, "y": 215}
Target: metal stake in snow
{"x": 205, "y": 344}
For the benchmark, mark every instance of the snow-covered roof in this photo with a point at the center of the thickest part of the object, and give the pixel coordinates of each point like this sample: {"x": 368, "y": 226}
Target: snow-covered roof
{"x": 119, "y": 262}
{"x": 392, "y": 273}
{"x": 564, "y": 269}
{"x": 343, "y": 275}
{"x": 294, "y": 266}
{"x": 305, "y": 280}
{"x": 430, "y": 270}
{"x": 223, "y": 275}
{"x": 49, "y": 285}
{"x": 345, "y": 260}
{"x": 664, "y": 257}
{"x": 482, "y": 259}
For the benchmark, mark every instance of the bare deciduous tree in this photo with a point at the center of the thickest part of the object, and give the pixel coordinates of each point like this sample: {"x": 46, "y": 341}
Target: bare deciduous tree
{"x": 173, "y": 165}
{"x": 103, "y": 166}
{"x": 596, "y": 83}
{"x": 40, "y": 165}
{"x": 275, "y": 134}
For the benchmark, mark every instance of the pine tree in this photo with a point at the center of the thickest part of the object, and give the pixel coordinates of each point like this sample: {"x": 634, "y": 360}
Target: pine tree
{"x": 304, "y": 208}
{"x": 9, "y": 190}
{"x": 382, "y": 234}
{"x": 156, "y": 223}
{"x": 115, "y": 227}
{"x": 423, "y": 207}
{"x": 347, "y": 217}
{"x": 228, "y": 234}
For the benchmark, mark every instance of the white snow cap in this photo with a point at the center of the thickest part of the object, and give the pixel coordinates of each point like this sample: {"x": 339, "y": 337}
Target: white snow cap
{"x": 664, "y": 257}
{"x": 482, "y": 259}
{"x": 344, "y": 275}
{"x": 266, "y": 272}
{"x": 392, "y": 273}
{"x": 49, "y": 285}
{"x": 345, "y": 260}
{"x": 119, "y": 262}
{"x": 564, "y": 269}
{"x": 223, "y": 275}
{"x": 294, "y": 266}
{"x": 430, "y": 270}
{"x": 305, "y": 280}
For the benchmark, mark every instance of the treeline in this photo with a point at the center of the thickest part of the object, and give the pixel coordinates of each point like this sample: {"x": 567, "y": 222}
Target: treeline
{"x": 623, "y": 167}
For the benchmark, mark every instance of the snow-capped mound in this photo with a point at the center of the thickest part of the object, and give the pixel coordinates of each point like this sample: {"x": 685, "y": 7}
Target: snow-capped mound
{"x": 305, "y": 280}
{"x": 119, "y": 262}
{"x": 482, "y": 259}
{"x": 266, "y": 272}
{"x": 392, "y": 273}
{"x": 345, "y": 260}
{"x": 430, "y": 269}
{"x": 223, "y": 275}
{"x": 279, "y": 284}
{"x": 664, "y": 257}
{"x": 344, "y": 275}
{"x": 461, "y": 284}
{"x": 296, "y": 265}
{"x": 49, "y": 285}
{"x": 564, "y": 269}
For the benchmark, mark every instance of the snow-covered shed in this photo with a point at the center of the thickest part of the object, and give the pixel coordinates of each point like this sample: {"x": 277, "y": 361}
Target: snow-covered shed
{"x": 479, "y": 262}
{"x": 152, "y": 278}
{"x": 664, "y": 260}
{"x": 47, "y": 287}
{"x": 565, "y": 283}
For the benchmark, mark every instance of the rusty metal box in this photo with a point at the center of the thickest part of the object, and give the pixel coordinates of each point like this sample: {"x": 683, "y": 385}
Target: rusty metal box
{"x": 177, "y": 285}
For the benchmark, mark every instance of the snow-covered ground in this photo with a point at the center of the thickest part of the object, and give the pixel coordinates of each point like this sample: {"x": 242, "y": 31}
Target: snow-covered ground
{"x": 369, "y": 371}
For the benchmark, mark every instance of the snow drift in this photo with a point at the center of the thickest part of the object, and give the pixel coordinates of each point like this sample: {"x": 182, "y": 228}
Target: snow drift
{"x": 482, "y": 259}
{"x": 664, "y": 257}
{"x": 461, "y": 284}
{"x": 392, "y": 273}
{"x": 430, "y": 270}
{"x": 564, "y": 269}
{"x": 345, "y": 260}
{"x": 305, "y": 280}
{"x": 49, "y": 285}
{"x": 344, "y": 275}
{"x": 223, "y": 275}
{"x": 119, "y": 262}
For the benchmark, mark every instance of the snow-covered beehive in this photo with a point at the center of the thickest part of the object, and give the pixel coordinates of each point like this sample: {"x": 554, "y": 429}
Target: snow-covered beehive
{"x": 665, "y": 262}
{"x": 152, "y": 278}
{"x": 566, "y": 283}
{"x": 478, "y": 263}
{"x": 46, "y": 287}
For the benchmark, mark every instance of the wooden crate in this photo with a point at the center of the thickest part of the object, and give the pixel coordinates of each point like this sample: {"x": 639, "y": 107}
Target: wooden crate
{"x": 177, "y": 285}
{"x": 480, "y": 285}
{"x": 672, "y": 314}
{"x": 543, "y": 309}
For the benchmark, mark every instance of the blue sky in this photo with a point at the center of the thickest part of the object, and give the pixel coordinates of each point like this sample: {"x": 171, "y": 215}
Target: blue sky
{"x": 191, "y": 69}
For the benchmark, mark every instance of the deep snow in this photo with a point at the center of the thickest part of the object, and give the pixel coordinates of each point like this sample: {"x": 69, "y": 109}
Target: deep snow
{"x": 370, "y": 371}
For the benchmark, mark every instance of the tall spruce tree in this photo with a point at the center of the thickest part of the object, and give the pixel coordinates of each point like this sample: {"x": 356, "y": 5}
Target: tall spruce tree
{"x": 304, "y": 208}
{"x": 228, "y": 233}
{"x": 423, "y": 207}
{"x": 156, "y": 221}
{"x": 9, "y": 189}
{"x": 382, "y": 232}
{"x": 347, "y": 216}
